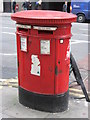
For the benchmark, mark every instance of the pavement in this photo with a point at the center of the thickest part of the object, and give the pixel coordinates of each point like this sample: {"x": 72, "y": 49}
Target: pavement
{"x": 5, "y": 14}
{"x": 9, "y": 104}
{"x": 11, "y": 108}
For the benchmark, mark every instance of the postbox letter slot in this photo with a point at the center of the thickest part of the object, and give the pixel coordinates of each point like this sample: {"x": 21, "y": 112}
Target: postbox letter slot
{"x": 23, "y": 26}
{"x": 22, "y": 30}
{"x": 44, "y": 28}
{"x": 45, "y": 32}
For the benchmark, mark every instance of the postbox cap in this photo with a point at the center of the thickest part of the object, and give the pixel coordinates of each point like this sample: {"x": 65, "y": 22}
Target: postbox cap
{"x": 43, "y": 17}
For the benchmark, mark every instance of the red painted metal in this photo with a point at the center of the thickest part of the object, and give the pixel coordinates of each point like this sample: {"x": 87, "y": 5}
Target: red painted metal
{"x": 43, "y": 17}
{"x": 54, "y": 67}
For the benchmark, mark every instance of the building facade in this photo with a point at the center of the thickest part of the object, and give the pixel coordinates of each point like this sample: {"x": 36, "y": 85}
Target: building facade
{"x": 7, "y": 6}
{"x": 1, "y": 5}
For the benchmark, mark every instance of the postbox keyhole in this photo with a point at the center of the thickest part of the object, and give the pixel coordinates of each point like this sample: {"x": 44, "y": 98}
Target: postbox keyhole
{"x": 58, "y": 62}
{"x": 38, "y": 72}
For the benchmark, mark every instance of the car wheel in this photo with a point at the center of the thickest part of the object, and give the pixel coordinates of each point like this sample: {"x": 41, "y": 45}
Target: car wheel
{"x": 81, "y": 18}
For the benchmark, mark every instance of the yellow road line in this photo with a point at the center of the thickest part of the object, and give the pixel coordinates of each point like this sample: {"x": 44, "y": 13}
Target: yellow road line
{"x": 75, "y": 90}
{"x": 1, "y": 87}
{"x": 10, "y": 86}
{"x": 76, "y": 94}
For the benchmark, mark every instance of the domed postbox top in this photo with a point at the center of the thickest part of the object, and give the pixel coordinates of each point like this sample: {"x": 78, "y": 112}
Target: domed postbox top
{"x": 44, "y": 17}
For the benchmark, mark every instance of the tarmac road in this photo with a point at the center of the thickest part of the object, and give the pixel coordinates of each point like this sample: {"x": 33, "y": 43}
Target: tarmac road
{"x": 79, "y": 45}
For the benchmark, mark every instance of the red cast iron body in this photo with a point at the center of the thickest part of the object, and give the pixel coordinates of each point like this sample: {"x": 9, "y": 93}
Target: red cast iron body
{"x": 54, "y": 67}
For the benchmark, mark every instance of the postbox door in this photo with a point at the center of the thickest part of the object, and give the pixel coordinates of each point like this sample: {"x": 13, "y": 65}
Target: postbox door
{"x": 62, "y": 66}
{"x": 38, "y": 66}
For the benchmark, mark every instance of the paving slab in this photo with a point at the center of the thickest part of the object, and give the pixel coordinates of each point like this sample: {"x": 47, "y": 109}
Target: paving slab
{"x": 5, "y": 14}
{"x": 13, "y": 109}
{"x": 77, "y": 109}
{"x": 0, "y": 99}
{"x": 6, "y": 116}
{"x": 9, "y": 97}
{"x": 20, "y": 111}
{"x": 0, "y": 116}
{"x": 88, "y": 111}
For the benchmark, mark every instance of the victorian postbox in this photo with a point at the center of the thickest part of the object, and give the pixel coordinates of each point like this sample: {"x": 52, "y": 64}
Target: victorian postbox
{"x": 43, "y": 54}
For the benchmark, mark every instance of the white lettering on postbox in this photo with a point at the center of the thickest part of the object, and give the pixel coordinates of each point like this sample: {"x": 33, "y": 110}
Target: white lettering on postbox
{"x": 35, "y": 66}
{"x": 45, "y": 47}
{"x": 24, "y": 44}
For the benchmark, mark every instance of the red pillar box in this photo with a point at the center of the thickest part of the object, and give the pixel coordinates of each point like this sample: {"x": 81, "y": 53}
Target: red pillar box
{"x": 43, "y": 52}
